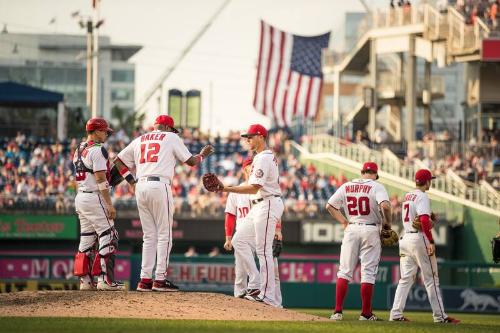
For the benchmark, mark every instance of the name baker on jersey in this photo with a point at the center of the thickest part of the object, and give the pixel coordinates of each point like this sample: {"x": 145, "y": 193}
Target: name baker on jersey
{"x": 153, "y": 136}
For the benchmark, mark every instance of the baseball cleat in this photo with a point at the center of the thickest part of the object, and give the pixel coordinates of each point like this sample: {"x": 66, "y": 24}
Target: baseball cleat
{"x": 113, "y": 286}
{"x": 337, "y": 316}
{"x": 145, "y": 285}
{"x": 242, "y": 295}
{"x": 372, "y": 317}
{"x": 255, "y": 298}
{"x": 164, "y": 285}
{"x": 399, "y": 319}
{"x": 87, "y": 285}
{"x": 450, "y": 320}
{"x": 252, "y": 292}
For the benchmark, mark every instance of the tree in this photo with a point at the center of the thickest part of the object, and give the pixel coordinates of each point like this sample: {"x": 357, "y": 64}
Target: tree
{"x": 127, "y": 121}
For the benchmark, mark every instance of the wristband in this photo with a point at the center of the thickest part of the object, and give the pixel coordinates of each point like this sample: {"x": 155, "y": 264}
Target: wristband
{"x": 278, "y": 226}
{"x": 103, "y": 186}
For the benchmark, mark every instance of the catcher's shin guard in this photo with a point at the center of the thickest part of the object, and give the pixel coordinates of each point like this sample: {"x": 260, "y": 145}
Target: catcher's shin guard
{"x": 81, "y": 266}
{"x": 104, "y": 263}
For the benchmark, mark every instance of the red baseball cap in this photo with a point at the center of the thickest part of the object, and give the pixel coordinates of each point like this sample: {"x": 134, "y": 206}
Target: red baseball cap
{"x": 371, "y": 166}
{"x": 166, "y": 121}
{"x": 423, "y": 175}
{"x": 247, "y": 162}
{"x": 98, "y": 124}
{"x": 255, "y": 129}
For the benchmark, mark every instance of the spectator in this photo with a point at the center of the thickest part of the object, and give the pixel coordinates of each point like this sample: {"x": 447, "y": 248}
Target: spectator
{"x": 191, "y": 252}
{"x": 380, "y": 135}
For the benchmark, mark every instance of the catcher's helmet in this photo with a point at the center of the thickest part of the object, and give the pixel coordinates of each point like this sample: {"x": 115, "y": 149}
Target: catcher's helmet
{"x": 97, "y": 124}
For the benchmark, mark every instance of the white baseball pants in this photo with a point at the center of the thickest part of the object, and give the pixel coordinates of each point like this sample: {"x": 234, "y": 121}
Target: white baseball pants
{"x": 413, "y": 252}
{"x": 360, "y": 242}
{"x": 245, "y": 268}
{"x": 156, "y": 211}
{"x": 264, "y": 216}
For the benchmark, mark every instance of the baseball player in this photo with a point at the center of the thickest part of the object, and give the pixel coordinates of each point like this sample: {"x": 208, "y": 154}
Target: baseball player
{"x": 243, "y": 242}
{"x": 237, "y": 208}
{"x": 417, "y": 250}
{"x": 265, "y": 212}
{"x": 364, "y": 201}
{"x": 95, "y": 211}
{"x": 154, "y": 156}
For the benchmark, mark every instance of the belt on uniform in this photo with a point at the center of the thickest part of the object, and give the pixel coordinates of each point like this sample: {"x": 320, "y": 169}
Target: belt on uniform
{"x": 256, "y": 201}
{"x": 84, "y": 191}
{"x": 411, "y": 232}
{"x": 154, "y": 179}
{"x": 371, "y": 224}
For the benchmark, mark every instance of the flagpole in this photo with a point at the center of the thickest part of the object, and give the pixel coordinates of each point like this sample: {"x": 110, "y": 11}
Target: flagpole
{"x": 95, "y": 60}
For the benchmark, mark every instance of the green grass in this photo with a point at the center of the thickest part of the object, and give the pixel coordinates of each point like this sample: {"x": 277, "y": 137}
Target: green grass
{"x": 422, "y": 323}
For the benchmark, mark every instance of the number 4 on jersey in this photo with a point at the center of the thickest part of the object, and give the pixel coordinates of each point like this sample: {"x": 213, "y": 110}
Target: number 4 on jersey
{"x": 153, "y": 149}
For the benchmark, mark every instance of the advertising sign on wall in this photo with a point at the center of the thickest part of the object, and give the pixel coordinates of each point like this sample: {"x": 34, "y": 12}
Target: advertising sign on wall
{"x": 50, "y": 268}
{"x": 38, "y": 227}
{"x": 454, "y": 298}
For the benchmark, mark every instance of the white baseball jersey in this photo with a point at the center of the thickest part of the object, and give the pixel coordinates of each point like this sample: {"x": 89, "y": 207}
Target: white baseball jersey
{"x": 361, "y": 199}
{"x": 95, "y": 158}
{"x": 415, "y": 203}
{"x": 155, "y": 154}
{"x": 238, "y": 205}
{"x": 265, "y": 173}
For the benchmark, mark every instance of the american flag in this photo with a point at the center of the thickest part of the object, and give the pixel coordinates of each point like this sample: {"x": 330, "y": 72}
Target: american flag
{"x": 289, "y": 77}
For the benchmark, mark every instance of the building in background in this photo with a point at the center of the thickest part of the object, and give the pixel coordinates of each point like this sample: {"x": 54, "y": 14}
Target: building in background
{"x": 57, "y": 62}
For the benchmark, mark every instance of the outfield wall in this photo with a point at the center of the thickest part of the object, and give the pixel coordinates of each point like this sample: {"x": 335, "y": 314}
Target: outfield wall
{"x": 305, "y": 282}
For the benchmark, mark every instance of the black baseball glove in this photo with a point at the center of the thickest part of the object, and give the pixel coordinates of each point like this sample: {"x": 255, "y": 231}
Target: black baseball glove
{"x": 495, "y": 249}
{"x": 115, "y": 177}
{"x": 277, "y": 247}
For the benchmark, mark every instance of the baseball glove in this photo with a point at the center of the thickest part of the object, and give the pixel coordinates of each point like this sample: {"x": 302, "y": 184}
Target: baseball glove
{"x": 115, "y": 177}
{"x": 389, "y": 237}
{"x": 212, "y": 183}
{"x": 495, "y": 249}
{"x": 277, "y": 247}
{"x": 418, "y": 225}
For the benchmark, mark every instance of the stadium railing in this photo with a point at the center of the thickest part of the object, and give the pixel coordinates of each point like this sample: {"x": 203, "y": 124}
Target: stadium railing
{"x": 323, "y": 143}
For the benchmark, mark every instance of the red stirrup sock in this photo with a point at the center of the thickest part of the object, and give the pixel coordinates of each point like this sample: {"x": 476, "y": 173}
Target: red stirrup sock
{"x": 366, "y": 299}
{"x": 340, "y": 293}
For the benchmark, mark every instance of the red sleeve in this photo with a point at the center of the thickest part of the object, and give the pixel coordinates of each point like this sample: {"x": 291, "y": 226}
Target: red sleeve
{"x": 426, "y": 226}
{"x": 229, "y": 224}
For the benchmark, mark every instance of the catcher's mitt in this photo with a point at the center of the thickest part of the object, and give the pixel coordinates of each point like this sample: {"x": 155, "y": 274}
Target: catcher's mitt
{"x": 495, "y": 249}
{"x": 212, "y": 183}
{"x": 115, "y": 177}
{"x": 277, "y": 247}
{"x": 389, "y": 237}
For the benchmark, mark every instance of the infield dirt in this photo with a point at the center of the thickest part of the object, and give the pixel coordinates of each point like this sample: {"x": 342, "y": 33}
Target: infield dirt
{"x": 152, "y": 305}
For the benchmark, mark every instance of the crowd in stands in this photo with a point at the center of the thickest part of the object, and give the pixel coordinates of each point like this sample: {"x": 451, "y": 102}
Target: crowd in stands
{"x": 475, "y": 162}
{"x": 37, "y": 173}
{"x": 440, "y": 152}
{"x": 486, "y": 10}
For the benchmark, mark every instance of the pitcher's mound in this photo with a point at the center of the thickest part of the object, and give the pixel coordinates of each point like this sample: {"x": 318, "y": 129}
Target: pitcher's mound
{"x": 152, "y": 305}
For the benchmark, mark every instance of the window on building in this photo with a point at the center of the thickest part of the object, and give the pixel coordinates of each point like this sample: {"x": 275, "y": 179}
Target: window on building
{"x": 122, "y": 75}
{"x": 122, "y": 95}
